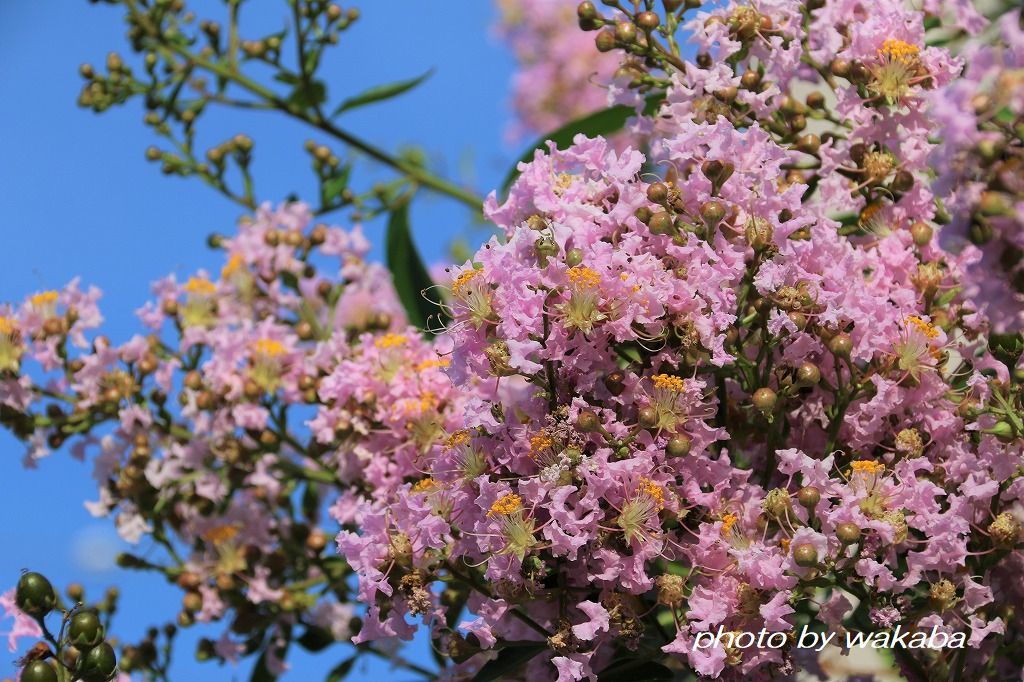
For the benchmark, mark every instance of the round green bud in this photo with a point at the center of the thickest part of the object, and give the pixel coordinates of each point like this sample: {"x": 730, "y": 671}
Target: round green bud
{"x": 841, "y": 345}
{"x": 605, "y": 41}
{"x": 34, "y": 594}
{"x": 921, "y": 233}
{"x": 805, "y": 555}
{"x": 808, "y": 497}
{"x": 648, "y": 21}
{"x": 657, "y": 192}
{"x": 808, "y": 374}
{"x": 85, "y": 630}
{"x": 625, "y": 31}
{"x": 647, "y": 417}
{"x": 660, "y": 223}
{"x": 97, "y": 664}
{"x": 712, "y": 212}
{"x": 588, "y": 421}
{"x": 678, "y": 445}
{"x": 573, "y": 257}
{"x": 764, "y": 399}
{"x": 38, "y": 671}
{"x": 615, "y": 382}
{"x": 848, "y": 533}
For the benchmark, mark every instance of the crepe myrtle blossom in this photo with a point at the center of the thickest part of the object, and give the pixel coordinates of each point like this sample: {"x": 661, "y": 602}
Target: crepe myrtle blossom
{"x": 734, "y": 374}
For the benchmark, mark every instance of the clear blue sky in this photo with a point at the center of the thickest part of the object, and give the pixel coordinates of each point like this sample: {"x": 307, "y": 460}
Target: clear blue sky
{"x": 78, "y": 199}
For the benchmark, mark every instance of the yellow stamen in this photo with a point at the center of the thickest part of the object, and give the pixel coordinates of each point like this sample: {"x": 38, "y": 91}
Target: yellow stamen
{"x": 927, "y": 329}
{"x": 652, "y": 490}
{"x": 894, "y": 50}
{"x": 234, "y": 264}
{"x": 7, "y": 326}
{"x": 867, "y": 467}
{"x": 220, "y": 535}
{"x": 668, "y": 382}
{"x": 391, "y": 341}
{"x": 200, "y": 286}
{"x": 424, "y": 485}
{"x": 583, "y": 277}
{"x": 462, "y": 281}
{"x": 432, "y": 364}
{"x": 269, "y": 348}
{"x": 457, "y": 439}
{"x": 728, "y": 522}
{"x": 43, "y": 299}
{"x": 507, "y": 504}
{"x": 539, "y": 443}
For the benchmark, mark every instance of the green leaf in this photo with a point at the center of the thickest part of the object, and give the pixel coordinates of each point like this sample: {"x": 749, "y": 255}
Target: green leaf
{"x": 635, "y": 670}
{"x": 1007, "y": 348}
{"x": 415, "y": 288}
{"x": 602, "y": 122}
{"x": 508, "y": 661}
{"x": 310, "y": 94}
{"x": 315, "y": 639}
{"x": 260, "y": 673}
{"x": 335, "y": 185}
{"x": 381, "y": 92}
{"x": 341, "y": 670}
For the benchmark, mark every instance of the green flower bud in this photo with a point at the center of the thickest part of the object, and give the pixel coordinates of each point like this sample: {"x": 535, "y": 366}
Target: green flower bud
{"x": 34, "y": 595}
{"x": 678, "y": 445}
{"x": 85, "y": 630}
{"x": 805, "y": 555}
{"x": 38, "y": 671}
{"x": 97, "y": 664}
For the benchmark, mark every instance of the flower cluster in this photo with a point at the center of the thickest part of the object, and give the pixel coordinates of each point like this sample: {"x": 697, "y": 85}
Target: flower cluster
{"x": 561, "y": 77}
{"x": 220, "y": 435}
{"x": 737, "y": 381}
{"x": 745, "y": 374}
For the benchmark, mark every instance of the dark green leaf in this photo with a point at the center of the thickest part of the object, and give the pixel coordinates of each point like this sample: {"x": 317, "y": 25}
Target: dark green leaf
{"x": 309, "y": 94}
{"x": 415, "y": 289}
{"x": 604, "y": 122}
{"x": 509, "y": 660}
{"x": 381, "y": 92}
{"x": 1007, "y": 348}
{"x": 335, "y": 185}
{"x": 315, "y": 639}
{"x": 341, "y": 670}
{"x": 261, "y": 673}
{"x": 634, "y": 670}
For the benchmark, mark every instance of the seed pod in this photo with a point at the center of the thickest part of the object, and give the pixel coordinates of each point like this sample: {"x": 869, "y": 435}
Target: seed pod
{"x": 625, "y": 32}
{"x": 648, "y": 21}
{"x": 605, "y": 41}
{"x": 573, "y": 257}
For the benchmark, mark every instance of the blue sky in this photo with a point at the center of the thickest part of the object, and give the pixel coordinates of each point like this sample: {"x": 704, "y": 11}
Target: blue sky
{"x": 77, "y": 198}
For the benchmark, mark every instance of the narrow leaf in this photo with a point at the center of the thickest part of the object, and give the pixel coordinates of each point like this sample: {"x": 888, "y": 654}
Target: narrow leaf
{"x": 508, "y": 661}
{"x": 604, "y": 122}
{"x": 381, "y": 92}
{"x": 415, "y": 288}
{"x": 635, "y": 670}
{"x": 341, "y": 670}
